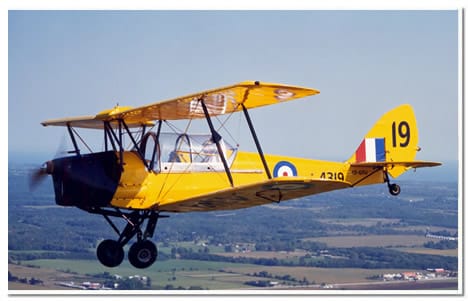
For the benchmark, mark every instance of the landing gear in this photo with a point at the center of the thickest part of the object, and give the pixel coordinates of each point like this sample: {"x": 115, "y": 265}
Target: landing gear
{"x": 142, "y": 253}
{"x": 394, "y": 189}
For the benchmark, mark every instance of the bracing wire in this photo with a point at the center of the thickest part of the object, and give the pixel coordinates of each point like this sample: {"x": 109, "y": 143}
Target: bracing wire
{"x": 81, "y": 139}
{"x": 224, "y": 122}
{"x": 177, "y": 131}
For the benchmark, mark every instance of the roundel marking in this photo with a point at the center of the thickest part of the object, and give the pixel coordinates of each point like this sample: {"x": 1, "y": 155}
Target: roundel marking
{"x": 284, "y": 169}
{"x": 283, "y": 94}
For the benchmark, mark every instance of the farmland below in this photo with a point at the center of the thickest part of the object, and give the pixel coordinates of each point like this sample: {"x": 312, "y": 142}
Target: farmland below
{"x": 345, "y": 239}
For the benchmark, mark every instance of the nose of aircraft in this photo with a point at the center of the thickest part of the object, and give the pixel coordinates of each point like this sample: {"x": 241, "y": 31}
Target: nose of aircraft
{"x": 88, "y": 180}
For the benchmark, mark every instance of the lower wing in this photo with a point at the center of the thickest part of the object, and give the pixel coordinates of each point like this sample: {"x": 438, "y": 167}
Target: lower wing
{"x": 266, "y": 192}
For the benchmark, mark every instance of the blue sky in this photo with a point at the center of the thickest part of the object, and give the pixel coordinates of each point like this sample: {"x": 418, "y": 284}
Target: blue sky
{"x": 72, "y": 63}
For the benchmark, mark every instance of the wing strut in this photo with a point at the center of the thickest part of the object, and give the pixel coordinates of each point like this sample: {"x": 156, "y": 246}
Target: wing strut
{"x": 135, "y": 144}
{"x": 257, "y": 143}
{"x": 75, "y": 145}
{"x": 216, "y": 137}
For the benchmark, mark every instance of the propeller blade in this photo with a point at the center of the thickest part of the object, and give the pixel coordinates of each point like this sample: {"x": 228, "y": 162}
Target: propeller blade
{"x": 62, "y": 148}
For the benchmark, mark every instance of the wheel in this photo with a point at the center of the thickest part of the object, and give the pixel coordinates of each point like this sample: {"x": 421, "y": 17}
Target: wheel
{"x": 394, "y": 189}
{"x": 110, "y": 253}
{"x": 142, "y": 254}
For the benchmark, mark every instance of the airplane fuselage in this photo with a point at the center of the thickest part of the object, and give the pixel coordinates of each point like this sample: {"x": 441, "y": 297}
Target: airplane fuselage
{"x": 97, "y": 180}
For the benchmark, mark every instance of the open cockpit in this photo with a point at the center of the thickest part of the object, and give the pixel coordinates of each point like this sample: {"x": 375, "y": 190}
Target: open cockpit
{"x": 172, "y": 152}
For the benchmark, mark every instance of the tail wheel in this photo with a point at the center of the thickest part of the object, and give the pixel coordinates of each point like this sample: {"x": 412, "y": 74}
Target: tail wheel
{"x": 394, "y": 189}
{"x": 142, "y": 254}
{"x": 110, "y": 253}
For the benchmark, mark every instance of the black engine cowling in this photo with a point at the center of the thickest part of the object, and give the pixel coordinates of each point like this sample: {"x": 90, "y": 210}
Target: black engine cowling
{"x": 87, "y": 180}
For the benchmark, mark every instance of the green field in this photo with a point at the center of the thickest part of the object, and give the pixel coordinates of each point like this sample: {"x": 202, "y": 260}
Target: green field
{"x": 183, "y": 273}
{"x": 373, "y": 241}
{"x": 449, "y": 252}
{"x": 322, "y": 275}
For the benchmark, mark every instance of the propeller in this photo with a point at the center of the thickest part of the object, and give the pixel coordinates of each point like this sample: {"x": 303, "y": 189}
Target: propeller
{"x": 38, "y": 175}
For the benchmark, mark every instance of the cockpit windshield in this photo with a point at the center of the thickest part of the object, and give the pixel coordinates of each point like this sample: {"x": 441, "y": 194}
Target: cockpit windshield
{"x": 189, "y": 152}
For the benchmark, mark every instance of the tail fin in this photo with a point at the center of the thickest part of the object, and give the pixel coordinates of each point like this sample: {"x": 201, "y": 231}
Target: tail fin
{"x": 394, "y": 138}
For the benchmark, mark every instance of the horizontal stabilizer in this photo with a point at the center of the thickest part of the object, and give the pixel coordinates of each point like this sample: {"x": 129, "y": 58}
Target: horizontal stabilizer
{"x": 390, "y": 165}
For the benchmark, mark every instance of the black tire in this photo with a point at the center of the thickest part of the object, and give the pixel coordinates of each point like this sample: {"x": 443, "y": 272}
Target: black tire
{"x": 142, "y": 254}
{"x": 110, "y": 253}
{"x": 394, "y": 189}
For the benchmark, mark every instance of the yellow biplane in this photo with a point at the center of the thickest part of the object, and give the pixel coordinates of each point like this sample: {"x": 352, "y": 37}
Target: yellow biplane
{"x": 176, "y": 171}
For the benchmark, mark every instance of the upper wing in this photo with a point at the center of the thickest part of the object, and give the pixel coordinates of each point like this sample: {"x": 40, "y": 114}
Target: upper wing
{"x": 218, "y": 101}
{"x": 82, "y": 122}
{"x": 274, "y": 190}
{"x": 95, "y": 122}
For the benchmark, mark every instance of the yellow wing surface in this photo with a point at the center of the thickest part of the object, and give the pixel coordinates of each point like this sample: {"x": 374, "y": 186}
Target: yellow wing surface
{"x": 95, "y": 122}
{"x": 260, "y": 193}
{"x": 225, "y": 100}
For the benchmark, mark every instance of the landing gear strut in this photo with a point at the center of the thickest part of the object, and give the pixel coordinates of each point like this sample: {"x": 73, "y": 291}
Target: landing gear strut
{"x": 142, "y": 253}
{"x": 394, "y": 189}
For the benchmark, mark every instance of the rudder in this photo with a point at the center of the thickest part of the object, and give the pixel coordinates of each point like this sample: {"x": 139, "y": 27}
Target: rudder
{"x": 394, "y": 138}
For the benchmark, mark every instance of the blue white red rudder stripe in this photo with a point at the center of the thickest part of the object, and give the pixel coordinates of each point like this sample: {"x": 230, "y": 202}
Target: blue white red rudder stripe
{"x": 371, "y": 150}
